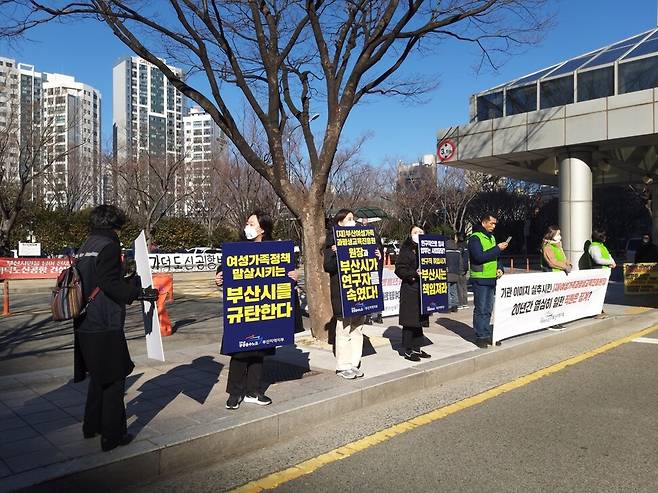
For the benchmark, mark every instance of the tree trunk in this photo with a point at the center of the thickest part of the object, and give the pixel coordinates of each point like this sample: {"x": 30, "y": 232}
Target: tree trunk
{"x": 317, "y": 281}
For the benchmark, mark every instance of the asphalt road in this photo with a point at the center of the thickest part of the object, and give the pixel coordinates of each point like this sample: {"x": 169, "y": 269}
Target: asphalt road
{"x": 30, "y": 340}
{"x": 589, "y": 427}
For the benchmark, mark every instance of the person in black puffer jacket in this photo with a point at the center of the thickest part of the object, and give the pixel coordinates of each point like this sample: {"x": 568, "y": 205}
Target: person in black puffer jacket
{"x": 411, "y": 320}
{"x": 100, "y": 348}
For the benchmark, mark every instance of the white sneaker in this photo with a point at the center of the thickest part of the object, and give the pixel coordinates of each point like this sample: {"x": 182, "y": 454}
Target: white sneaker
{"x": 357, "y": 373}
{"x": 260, "y": 399}
{"x": 347, "y": 374}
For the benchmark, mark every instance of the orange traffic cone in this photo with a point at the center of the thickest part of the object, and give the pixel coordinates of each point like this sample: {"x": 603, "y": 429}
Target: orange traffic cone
{"x": 164, "y": 283}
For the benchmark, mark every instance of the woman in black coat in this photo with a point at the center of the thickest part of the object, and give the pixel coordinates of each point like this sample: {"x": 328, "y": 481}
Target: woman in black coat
{"x": 100, "y": 348}
{"x": 411, "y": 320}
{"x": 245, "y": 370}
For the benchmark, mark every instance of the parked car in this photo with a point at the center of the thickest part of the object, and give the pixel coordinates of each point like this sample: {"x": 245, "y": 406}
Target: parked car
{"x": 204, "y": 250}
{"x": 631, "y": 247}
{"x": 392, "y": 249}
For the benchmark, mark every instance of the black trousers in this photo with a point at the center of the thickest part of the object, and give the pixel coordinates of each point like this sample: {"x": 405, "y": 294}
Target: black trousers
{"x": 244, "y": 375}
{"x": 462, "y": 289}
{"x": 105, "y": 412}
{"x": 412, "y": 338}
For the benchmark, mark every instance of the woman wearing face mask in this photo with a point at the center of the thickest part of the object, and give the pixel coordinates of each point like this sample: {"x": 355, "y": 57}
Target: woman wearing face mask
{"x": 553, "y": 257}
{"x": 349, "y": 330}
{"x": 246, "y": 368}
{"x": 411, "y": 320}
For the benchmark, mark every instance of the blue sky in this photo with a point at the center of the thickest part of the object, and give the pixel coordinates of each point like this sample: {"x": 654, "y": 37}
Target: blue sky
{"x": 398, "y": 130}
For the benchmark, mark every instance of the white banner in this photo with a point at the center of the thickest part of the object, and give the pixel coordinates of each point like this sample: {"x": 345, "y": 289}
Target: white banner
{"x": 29, "y": 249}
{"x": 391, "y": 290}
{"x": 528, "y": 302}
{"x": 151, "y": 321}
{"x": 185, "y": 262}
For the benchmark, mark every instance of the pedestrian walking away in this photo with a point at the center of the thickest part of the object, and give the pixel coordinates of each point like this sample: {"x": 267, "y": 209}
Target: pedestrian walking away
{"x": 411, "y": 320}
{"x": 486, "y": 268}
{"x": 100, "y": 348}
{"x": 245, "y": 372}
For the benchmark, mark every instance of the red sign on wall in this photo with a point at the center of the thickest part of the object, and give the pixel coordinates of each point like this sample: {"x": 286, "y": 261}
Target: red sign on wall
{"x": 446, "y": 149}
{"x": 32, "y": 268}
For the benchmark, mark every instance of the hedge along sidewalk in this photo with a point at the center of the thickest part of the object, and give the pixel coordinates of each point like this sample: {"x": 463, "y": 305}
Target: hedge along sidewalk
{"x": 177, "y": 409}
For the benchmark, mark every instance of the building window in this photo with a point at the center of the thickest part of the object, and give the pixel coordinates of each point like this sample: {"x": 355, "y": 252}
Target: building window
{"x": 521, "y": 100}
{"x": 490, "y": 106}
{"x": 556, "y": 92}
{"x": 594, "y": 84}
{"x": 638, "y": 75}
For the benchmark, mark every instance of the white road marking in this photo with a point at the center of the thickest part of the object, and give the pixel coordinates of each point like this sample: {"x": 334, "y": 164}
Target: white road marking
{"x": 647, "y": 340}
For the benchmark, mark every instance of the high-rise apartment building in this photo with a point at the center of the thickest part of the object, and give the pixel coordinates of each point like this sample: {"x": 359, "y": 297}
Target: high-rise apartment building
{"x": 147, "y": 114}
{"x": 72, "y": 110}
{"x": 21, "y": 119}
{"x": 203, "y": 145}
{"x": 412, "y": 177}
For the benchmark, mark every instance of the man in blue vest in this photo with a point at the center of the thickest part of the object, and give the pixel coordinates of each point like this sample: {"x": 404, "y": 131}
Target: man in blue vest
{"x": 485, "y": 269}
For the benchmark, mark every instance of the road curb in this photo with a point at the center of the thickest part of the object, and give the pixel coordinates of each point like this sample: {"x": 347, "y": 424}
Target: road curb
{"x": 243, "y": 432}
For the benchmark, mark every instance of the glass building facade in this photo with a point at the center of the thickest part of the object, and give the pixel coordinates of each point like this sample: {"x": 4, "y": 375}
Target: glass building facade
{"x": 626, "y": 66}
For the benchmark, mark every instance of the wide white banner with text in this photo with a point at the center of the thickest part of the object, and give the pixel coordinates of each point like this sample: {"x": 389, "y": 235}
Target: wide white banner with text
{"x": 185, "y": 262}
{"x": 528, "y": 302}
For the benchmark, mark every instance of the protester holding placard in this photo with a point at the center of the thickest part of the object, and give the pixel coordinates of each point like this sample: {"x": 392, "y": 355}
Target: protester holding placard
{"x": 411, "y": 320}
{"x": 375, "y": 317}
{"x": 485, "y": 269}
{"x": 349, "y": 328}
{"x": 244, "y": 382}
{"x": 553, "y": 258}
{"x": 599, "y": 256}
{"x": 100, "y": 347}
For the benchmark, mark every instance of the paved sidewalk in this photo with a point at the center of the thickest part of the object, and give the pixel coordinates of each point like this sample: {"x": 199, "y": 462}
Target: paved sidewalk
{"x": 176, "y": 410}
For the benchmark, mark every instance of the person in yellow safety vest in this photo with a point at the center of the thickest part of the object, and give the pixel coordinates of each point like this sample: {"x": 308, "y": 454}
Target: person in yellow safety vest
{"x": 599, "y": 255}
{"x": 485, "y": 269}
{"x": 552, "y": 255}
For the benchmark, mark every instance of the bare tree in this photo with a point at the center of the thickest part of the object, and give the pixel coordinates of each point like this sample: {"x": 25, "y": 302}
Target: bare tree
{"x": 457, "y": 189}
{"x": 285, "y": 57}
{"x": 72, "y": 191}
{"x": 150, "y": 188}
{"x": 416, "y": 195}
{"x": 28, "y": 151}
{"x": 242, "y": 190}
